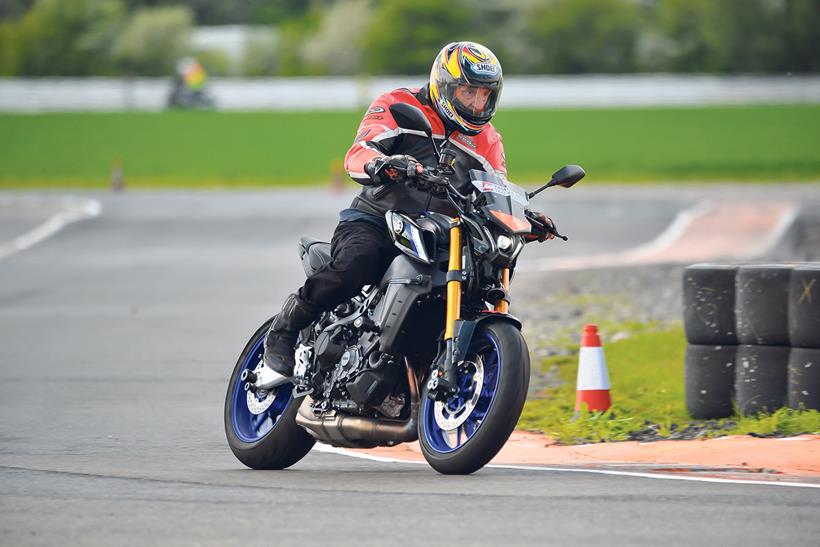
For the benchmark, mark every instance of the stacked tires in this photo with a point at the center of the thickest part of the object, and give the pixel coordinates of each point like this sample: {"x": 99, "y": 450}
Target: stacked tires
{"x": 804, "y": 336}
{"x": 709, "y": 323}
{"x": 754, "y": 338}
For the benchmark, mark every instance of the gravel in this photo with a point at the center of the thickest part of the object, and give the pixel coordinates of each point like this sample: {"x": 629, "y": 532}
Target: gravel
{"x": 555, "y": 306}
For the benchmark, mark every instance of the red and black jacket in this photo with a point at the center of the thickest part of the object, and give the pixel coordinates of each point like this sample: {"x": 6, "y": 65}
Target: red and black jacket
{"x": 379, "y": 135}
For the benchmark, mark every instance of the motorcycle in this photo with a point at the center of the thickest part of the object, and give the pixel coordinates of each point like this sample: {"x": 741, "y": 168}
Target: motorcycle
{"x": 438, "y": 319}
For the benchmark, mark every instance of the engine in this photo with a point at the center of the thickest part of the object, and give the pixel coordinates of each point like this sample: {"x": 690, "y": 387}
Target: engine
{"x": 349, "y": 373}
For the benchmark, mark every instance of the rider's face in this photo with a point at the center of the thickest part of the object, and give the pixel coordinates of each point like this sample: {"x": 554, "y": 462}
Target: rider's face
{"x": 473, "y": 98}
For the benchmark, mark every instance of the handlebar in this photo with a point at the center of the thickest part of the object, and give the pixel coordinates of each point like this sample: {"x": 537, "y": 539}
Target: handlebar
{"x": 437, "y": 184}
{"x": 549, "y": 229}
{"x": 432, "y": 181}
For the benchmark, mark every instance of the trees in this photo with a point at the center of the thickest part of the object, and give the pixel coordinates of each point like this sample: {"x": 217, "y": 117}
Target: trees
{"x": 740, "y": 35}
{"x": 92, "y": 37}
{"x": 151, "y": 41}
{"x": 61, "y": 38}
{"x": 84, "y": 37}
{"x": 578, "y": 36}
{"x": 404, "y": 35}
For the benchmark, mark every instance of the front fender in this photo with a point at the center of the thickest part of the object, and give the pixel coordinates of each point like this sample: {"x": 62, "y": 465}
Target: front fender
{"x": 464, "y": 329}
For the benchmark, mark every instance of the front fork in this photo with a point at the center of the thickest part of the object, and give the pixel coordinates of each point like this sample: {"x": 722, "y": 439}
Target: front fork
{"x": 443, "y": 380}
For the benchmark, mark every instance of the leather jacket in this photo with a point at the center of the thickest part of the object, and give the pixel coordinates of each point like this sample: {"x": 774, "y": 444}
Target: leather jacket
{"x": 379, "y": 135}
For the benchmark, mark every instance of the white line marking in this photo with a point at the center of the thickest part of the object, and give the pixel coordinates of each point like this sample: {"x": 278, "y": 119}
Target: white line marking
{"x": 73, "y": 209}
{"x": 665, "y": 239}
{"x": 648, "y": 253}
{"x": 343, "y": 452}
{"x": 674, "y": 231}
{"x": 783, "y": 225}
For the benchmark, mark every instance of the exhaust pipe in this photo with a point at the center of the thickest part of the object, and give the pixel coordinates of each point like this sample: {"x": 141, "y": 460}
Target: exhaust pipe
{"x": 344, "y": 430}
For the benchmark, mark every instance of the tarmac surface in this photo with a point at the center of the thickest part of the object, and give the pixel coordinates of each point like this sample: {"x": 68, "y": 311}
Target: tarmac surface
{"x": 117, "y": 336}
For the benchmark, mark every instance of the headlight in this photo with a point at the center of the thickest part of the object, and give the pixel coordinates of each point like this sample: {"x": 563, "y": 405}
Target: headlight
{"x": 398, "y": 224}
{"x": 504, "y": 242}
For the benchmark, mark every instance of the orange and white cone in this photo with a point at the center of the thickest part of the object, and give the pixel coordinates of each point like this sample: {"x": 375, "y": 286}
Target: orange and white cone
{"x": 592, "y": 388}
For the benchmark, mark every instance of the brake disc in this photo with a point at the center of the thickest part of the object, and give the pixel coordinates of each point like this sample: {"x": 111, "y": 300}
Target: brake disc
{"x": 448, "y": 418}
{"x": 260, "y": 401}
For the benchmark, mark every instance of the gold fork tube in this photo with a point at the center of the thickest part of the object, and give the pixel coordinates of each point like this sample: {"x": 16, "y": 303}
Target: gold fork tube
{"x": 454, "y": 286}
{"x": 504, "y": 306}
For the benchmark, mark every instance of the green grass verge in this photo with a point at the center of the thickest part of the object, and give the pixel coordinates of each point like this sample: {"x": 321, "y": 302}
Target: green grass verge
{"x": 646, "y": 373}
{"x": 206, "y": 149}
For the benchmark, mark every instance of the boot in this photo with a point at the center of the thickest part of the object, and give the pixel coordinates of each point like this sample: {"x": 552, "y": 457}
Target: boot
{"x": 296, "y": 314}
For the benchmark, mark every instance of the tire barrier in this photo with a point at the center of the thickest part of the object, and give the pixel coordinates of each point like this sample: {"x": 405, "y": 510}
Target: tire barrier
{"x": 761, "y": 304}
{"x": 804, "y": 378}
{"x": 804, "y": 306}
{"x": 709, "y": 304}
{"x": 768, "y": 317}
{"x": 710, "y": 381}
{"x": 760, "y": 378}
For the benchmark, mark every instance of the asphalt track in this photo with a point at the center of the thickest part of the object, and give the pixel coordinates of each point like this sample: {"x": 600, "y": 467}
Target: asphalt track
{"x": 117, "y": 335}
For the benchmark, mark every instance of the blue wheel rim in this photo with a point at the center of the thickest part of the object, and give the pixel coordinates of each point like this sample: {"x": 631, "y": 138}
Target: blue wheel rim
{"x": 247, "y": 426}
{"x": 441, "y": 441}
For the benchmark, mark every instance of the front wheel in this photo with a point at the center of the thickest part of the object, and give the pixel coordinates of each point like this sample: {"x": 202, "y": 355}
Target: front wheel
{"x": 464, "y": 433}
{"x": 261, "y": 427}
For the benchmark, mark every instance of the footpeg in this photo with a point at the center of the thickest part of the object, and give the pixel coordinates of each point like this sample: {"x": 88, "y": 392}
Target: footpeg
{"x": 267, "y": 378}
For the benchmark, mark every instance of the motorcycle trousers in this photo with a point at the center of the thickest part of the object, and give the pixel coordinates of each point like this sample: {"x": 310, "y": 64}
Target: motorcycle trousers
{"x": 361, "y": 254}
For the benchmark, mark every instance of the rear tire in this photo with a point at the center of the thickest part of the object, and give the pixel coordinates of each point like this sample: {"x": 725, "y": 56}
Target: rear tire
{"x": 271, "y": 439}
{"x": 505, "y": 362}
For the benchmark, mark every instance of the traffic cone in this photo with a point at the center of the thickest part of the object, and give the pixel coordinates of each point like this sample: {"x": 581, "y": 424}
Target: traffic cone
{"x": 117, "y": 178}
{"x": 592, "y": 388}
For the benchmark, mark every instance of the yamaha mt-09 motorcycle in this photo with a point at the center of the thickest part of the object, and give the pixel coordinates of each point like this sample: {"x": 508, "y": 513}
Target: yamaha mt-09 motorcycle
{"x": 430, "y": 353}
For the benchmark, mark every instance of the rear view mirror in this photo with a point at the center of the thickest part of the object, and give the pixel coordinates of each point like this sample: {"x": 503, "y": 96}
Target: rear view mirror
{"x": 408, "y": 116}
{"x": 566, "y": 177}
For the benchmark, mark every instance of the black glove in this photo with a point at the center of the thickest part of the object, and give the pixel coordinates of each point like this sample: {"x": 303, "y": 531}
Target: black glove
{"x": 543, "y": 228}
{"x": 398, "y": 168}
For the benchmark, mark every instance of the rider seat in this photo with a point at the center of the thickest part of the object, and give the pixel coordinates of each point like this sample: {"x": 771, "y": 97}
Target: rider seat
{"x": 314, "y": 254}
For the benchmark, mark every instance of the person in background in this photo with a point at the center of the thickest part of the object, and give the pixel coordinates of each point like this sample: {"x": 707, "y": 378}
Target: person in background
{"x": 189, "y": 85}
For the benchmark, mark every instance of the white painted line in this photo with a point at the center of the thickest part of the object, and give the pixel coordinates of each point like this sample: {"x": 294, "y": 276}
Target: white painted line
{"x": 656, "y": 251}
{"x": 319, "y": 447}
{"x": 343, "y": 452}
{"x": 73, "y": 209}
{"x": 674, "y": 231}
{"x": 664, "y": 240}
{"x": 783, "y": 225}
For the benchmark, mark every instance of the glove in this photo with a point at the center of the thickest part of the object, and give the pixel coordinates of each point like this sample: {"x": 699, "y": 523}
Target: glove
{"x": 543, "y": 227}
{"x": 398, "y": 168}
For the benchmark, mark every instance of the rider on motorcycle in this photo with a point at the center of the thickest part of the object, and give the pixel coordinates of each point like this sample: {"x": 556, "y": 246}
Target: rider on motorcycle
{"x": 459, "y": 101}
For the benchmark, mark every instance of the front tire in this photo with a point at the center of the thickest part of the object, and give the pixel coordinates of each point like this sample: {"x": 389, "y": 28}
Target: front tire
{"x": 267, "y": 436}
{"x": 463, "y": 434}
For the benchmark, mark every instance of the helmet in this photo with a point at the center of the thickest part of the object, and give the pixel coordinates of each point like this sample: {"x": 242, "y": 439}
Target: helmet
{"x": 465, "y": 64}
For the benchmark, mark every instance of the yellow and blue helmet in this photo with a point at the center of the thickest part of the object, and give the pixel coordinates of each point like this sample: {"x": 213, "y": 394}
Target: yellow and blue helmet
{"x": 465, "y": 64}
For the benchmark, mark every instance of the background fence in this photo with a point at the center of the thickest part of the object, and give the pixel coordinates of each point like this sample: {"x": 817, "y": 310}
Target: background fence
{"x": 344, "y": 93}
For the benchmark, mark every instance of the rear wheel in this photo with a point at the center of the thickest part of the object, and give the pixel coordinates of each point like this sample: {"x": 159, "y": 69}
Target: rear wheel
{"x": 261, "y": 427}
{"x": 464, "y": 433}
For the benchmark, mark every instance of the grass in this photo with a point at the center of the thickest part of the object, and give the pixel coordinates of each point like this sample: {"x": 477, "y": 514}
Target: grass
{"x": 673, "y": 144}
{"x": 646, "y": 373}
{"x": 206, "y": 149}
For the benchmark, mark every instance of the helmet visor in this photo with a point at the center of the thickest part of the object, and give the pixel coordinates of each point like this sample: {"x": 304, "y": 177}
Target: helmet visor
{"x": 474, "y": 102}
